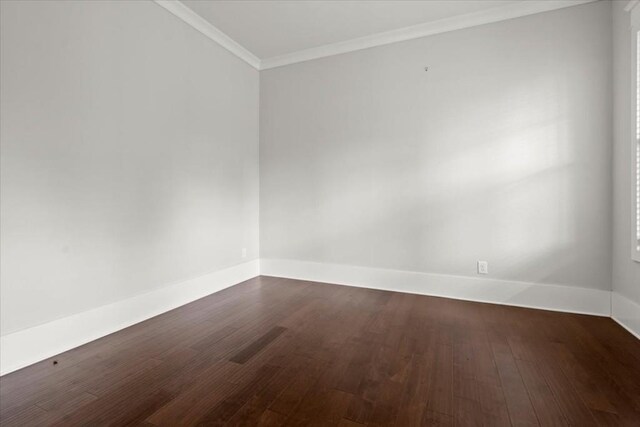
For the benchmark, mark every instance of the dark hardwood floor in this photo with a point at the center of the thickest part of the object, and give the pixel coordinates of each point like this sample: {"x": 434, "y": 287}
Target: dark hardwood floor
{"x": 283, "y": 352}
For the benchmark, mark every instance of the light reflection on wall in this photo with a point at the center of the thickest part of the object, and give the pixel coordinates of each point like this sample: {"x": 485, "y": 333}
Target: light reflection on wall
{"x": 498, "y": 152}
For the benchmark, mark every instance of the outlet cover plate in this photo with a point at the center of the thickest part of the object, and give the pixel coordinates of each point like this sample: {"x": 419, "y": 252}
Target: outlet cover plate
{"x": 483, "y": 267}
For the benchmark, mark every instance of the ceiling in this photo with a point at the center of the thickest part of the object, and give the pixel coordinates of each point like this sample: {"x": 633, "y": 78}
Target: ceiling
{"x": 274, "y": 33}
{"x": 274, "y": 28}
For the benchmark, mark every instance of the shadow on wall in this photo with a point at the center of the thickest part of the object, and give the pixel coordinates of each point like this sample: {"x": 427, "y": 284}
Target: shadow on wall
{"x": 504, "y": 181}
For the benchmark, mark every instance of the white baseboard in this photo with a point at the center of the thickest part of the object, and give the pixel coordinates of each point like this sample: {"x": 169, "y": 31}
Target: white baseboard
{"x": 32, "y": 345}
{"x": 542, "y": 296}
{"x": 626, "y": 313}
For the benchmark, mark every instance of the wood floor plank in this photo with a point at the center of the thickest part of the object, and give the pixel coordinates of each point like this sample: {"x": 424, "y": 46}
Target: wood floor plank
{"x": 440, "y": 395}
{"x": 542, "y": 398}
{"x": 227, "y": 408}
{"x": 271, "y": 419}
{"x": 249, "y": 351}
{"x": 275, "y": 352}
{"x": 519, "y": 405}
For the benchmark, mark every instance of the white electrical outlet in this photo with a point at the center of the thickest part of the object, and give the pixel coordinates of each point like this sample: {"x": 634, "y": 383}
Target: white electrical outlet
{"x": 244, "y": 252}
{"x": 483, "y": 267}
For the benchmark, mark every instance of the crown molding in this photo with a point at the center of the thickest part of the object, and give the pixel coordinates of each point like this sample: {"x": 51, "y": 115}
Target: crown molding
{"x": 488, "y": 16}
{"x": 469, "y": 20}
{"x": 180, "y": 10}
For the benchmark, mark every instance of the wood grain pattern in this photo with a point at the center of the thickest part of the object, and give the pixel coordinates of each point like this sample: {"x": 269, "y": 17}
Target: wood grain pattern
{"x": 253, "y": 348}
{"x": 273, "y": 352}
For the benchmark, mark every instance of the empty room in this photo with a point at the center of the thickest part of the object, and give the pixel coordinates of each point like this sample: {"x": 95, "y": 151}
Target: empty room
{"x": 320, "y": 213}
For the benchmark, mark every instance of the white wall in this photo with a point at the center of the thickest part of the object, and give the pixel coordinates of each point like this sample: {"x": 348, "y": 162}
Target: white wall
{"x": 500, "y": 152}
{"x": 129, "y": 156}
{"x": 626, "y": 273}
